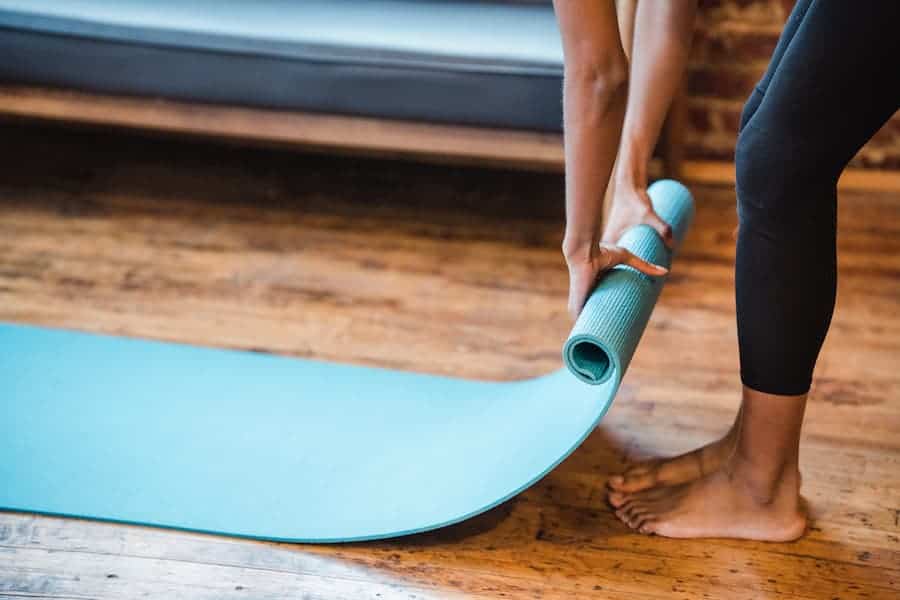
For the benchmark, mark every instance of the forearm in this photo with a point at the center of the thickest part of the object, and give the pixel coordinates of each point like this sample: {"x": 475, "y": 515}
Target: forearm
{"x": 662, "y": 42}
{"x": 594, "y": 99}
{"x": 593, "y": 126}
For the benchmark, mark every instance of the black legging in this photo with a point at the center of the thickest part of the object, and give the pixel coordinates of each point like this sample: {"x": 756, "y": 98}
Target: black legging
{"x": 833, "y": 81}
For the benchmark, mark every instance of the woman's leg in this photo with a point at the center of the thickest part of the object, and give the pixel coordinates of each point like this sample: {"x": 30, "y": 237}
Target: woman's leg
{"x": 834, "y": 87}
{"x": 787, "y": 34}
{"x": 706, "y": 459}
{"x": 754, "y": 495}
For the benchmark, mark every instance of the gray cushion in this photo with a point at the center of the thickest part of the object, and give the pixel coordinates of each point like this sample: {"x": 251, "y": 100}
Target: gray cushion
{"x": 456, "y": 61}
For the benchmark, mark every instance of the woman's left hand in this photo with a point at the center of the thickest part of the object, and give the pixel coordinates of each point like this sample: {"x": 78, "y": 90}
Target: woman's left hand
{"x": 631, "y": 206}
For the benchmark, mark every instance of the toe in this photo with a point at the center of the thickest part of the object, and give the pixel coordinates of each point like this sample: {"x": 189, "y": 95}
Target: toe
{"x": 622, "y": 514}
{"x": 634, "y": 516}
{"x": 620, "y": 481}
{"x": 617, "y": 499}
{"x": 639, "y": 515}
{"x": 615, "y": 481}
{"x": 664, "y": 529}
{"x": 648, "y": 526}
{"x": 638, "y": 480}
{"x": 638, "y": 522}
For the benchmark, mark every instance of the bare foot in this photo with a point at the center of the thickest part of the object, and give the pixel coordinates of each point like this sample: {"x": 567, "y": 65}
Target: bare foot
{"x": 723, "y": 504}
{"x": 673, "y": 471}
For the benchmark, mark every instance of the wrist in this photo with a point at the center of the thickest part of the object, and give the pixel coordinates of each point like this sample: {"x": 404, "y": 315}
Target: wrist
{"x": 630, "y": 182}
{"x": 577, "y": 249}
{"x": 631, "y": 168}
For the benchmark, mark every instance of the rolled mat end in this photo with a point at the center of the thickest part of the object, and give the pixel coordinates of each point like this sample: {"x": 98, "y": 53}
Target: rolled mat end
{"x": 607, "y": 331}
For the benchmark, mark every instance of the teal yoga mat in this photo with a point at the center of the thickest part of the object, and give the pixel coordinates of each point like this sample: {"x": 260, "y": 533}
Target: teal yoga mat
{"x": 271, "y": 447}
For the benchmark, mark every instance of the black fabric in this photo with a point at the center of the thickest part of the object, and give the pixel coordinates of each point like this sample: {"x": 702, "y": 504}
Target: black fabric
{"x": 411, "y": 85}
{"x": 834, "y": 80}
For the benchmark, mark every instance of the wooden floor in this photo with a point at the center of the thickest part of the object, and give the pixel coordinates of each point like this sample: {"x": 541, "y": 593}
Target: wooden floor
{"x": 442, "y": 270}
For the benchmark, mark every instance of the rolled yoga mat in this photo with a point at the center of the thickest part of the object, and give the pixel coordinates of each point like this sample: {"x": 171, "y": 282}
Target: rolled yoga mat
{"x": 271, "y": 447}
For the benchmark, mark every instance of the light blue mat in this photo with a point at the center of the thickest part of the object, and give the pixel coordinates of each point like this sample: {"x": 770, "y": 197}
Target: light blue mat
{"x": 269, "y": 447}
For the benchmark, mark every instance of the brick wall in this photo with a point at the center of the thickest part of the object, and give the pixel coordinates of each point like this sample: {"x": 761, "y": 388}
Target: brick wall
{"x": 731, "y": 50}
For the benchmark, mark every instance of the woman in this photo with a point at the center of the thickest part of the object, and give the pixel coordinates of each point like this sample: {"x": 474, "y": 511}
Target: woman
{"x": 833, "y": 81}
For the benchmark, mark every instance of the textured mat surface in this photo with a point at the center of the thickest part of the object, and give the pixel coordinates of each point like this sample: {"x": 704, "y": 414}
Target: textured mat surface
{"x": 270, "y": 447}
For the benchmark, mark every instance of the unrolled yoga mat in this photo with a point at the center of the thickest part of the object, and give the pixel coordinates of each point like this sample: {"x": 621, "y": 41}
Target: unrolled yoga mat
{"x": 297, "y": 450}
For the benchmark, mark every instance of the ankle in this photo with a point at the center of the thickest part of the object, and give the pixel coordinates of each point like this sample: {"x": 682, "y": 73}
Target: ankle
{"x": 731, "y": 436}
{"x": 764, "y": 483}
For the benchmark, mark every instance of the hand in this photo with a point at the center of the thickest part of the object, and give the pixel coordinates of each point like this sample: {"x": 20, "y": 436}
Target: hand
{"x": 631, "y": 206}
{"x": 587, "y": 264}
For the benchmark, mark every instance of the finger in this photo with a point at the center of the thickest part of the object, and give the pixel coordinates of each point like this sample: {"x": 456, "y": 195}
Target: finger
{"x": 578, "y": 291}
{"x": 662, "y": 228}
{"x": 575, "y": 304}
{"x": 607, "y": 257}
{"x": 574, "y": 308}
{"x": 642, "y": 265}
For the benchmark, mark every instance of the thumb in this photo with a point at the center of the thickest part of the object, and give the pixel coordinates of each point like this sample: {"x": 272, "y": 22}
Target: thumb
{"x": 662, "y": 228}
{"x": 642, "y": 265}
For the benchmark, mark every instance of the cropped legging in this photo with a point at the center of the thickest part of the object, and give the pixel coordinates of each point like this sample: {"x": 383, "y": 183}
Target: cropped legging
{"x": 833, "y": 81}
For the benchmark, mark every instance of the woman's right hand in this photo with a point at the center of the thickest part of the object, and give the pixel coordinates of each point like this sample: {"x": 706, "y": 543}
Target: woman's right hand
{"x": 587, "y": 264}
{"x": 588, "y": 261}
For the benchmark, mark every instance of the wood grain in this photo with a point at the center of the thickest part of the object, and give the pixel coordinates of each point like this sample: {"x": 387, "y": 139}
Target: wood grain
{"x": 450, "y": 270}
